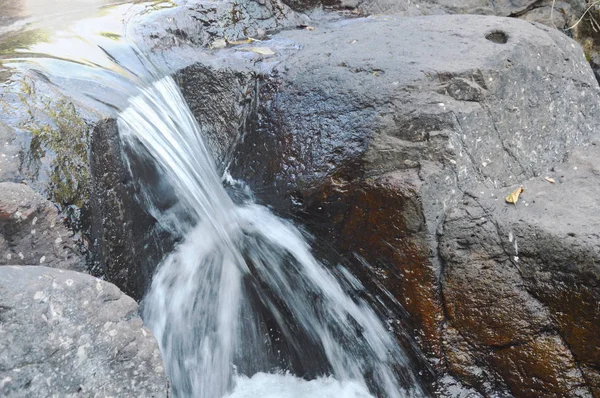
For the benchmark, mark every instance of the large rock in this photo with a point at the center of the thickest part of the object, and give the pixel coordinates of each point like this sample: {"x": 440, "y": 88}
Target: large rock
{"x": 565, "y": 14}
{"x": 33, "y": 232}
{"x": 369, "y": 131}
{"x": 210, "y": 23}
{"x": 9, "y": 156}
{"x": 66, "y": 334}
{"x": 522, "y": 283}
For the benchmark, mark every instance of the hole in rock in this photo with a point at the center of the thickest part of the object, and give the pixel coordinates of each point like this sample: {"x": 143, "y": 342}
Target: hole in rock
{"x": 497, "y": 36}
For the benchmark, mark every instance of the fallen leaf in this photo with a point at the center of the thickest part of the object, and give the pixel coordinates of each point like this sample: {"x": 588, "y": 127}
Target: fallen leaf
{"x": 261, "y": 50}
{"x": 550, "y": 180}
{"x": 514, "y": 197}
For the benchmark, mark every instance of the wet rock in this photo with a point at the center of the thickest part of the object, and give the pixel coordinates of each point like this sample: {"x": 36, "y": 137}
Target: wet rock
{"x": 126, "y": 241}
{"x": 521, "y": 283}
{"x": 69, "y": 334}
{"x": 370, "y": 143}
{"x": 32, "y": 232}
{"x": 565, "y": 14}
{"x": 222, "y": 99}
{"x": 212, "y": 24}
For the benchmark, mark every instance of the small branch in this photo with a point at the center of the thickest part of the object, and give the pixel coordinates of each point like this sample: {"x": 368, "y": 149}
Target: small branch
{"x": 578, "y": 21}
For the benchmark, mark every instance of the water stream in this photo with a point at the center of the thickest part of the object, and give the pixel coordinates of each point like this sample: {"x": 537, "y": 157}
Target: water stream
{"x": 241, "y": 307}
{"x": 241, "y": 271}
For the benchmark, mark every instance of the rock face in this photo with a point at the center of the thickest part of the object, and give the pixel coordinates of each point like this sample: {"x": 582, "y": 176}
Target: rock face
{"x": 212, "y": 24}
{"x": 522, "y": 283}
{"x": 33, "y": 232}
{"x": 127, "y": 243}
{"x": 565, "y": 13}
{"x": 371, "y": 131}
{"x": 66, "y": 334}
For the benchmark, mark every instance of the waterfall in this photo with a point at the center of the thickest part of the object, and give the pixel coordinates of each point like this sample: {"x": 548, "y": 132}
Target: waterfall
{"x": 242, "y": 295}
{"x": 241, "y": 307}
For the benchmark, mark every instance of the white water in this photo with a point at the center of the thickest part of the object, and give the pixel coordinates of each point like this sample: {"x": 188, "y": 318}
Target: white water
{"x": 242, "y": 294}
{"x": 265, "y": 385}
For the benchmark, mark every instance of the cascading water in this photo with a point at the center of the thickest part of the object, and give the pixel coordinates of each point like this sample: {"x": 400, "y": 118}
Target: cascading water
{"x": 242, "y": 271}
{"x": 241, "y": 308}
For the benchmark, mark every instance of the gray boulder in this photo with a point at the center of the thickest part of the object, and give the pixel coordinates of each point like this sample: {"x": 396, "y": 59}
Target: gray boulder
{"x": 369, "y": 131}
{"x": 68, "y": 334}
{"x": 33, "y": 232}
{"x": 211, "y": 24}
{"x": 9, "y": 155}
{"x": 521, "y": 282}
{"x": 565, "y": 12}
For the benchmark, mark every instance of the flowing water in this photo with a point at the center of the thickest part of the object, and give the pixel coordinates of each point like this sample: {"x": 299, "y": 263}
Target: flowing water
{"x": 241, "y": 307}
{"x": 240, "y": 271}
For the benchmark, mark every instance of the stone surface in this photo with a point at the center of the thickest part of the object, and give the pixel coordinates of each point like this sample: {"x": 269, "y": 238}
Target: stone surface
{"x": 68, "y": 334}
{"x": 522, "y": 283}
{"x": 212, "y": 24}
{"x": 127, "y": 243}
{"x": 369, "y": 131}
{"x": 565, "y": 14}
{"x": 33, "y": 232}
{"x": 380, "y": 134}
{"x": 9, "y": 155}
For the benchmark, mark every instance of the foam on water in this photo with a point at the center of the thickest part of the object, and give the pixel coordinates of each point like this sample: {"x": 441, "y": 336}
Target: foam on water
{"x": 266, "y": 385}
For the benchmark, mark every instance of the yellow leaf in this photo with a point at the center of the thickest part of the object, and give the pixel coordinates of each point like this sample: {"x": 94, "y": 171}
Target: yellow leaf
{"x": 550, "y": 180}
{"x": 514, "y": 197}
{"x": 262, "y": 50}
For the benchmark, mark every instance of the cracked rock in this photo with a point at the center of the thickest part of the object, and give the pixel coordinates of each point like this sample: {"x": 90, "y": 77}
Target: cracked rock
{"x": 371, "y": 130}
{"x": 63, "y": 333}
{"x": 32, "y": 232}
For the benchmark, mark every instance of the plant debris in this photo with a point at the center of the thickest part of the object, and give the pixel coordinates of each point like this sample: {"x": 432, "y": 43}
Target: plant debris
{"x": 514, "y": 196}
{"x": 550, "y": 180}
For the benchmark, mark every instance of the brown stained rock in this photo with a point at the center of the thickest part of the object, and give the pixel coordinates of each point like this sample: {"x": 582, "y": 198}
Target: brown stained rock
{"x": 380, "y": 220}
{"x": 543, "y": 367}
{"x": 385, "y": 226}
{"x": 592, "y": 377}
{"x": 514, "y": 274}
{"x": 489, "y": 306}
{"x": 372, "y": 146}
{"x": 483, "y": 290}
{"x": 461, "y": 362}
{"x": 576, "y": 310}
